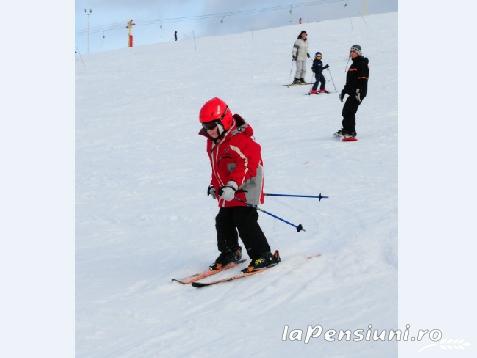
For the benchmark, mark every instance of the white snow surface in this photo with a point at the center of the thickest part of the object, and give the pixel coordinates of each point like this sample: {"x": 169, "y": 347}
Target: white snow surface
{"x": 143, "y": 216}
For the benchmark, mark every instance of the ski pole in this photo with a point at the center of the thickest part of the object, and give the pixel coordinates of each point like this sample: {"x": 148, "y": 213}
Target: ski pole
{"x": 319, "y": 196}
{"x": 291, "y": 70}
{"x": 298, "y": 227}
{"x": 79, "y": 54}
{"x": 332, "y": 81}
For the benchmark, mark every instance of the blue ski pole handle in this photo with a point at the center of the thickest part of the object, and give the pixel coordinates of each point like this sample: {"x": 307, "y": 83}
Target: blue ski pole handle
{"x": 319, "y": 196}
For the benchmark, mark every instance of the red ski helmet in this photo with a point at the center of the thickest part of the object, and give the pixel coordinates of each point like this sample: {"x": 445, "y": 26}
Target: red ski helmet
{"x": 216, "y": 110}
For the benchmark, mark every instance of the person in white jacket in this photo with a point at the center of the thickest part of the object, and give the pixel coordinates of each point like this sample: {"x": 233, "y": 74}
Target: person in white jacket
{"x": 299, "y": 55}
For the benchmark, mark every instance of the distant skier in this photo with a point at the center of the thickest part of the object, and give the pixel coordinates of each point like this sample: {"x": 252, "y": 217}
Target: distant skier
{"x": 299, "y": 55}
{"x": 237, "y": 184}
{"x": 317, "y": 69}
{"x": 175, "y": 35}
{"x": 356, "y": 87}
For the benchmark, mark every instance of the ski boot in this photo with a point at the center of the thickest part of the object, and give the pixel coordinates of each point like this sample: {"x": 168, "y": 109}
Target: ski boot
{"x": 313, "y": 92}
{"x": 349, "y": 137}
{"x": 342, "y": 133}
{"x": 302, "y": 81}
{"x": 323, "y": 91}
{"x": 338, "y": 133}
{"x": 296, "y": 81}
{"x": 264, "y": 261}
{"x": 226, "y": 258}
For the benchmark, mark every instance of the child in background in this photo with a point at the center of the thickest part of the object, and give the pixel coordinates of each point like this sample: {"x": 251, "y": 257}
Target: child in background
{"x": 317, "y": 69}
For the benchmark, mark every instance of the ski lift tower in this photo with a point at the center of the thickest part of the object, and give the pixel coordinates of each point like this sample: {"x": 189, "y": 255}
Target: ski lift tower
{"x": 130, "y": 35}
{"x": 88, "y": 12}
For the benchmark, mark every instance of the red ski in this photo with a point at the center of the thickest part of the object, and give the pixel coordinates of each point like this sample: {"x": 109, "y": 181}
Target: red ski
{"x": 339, "y": 135}
{"x": 325, "y": 92}
{"x": 201, "y": 275}
{"x": 242, "y": 274}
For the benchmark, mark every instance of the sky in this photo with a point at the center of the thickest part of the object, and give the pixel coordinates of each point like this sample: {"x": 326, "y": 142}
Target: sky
{"x": 156, "y": 21}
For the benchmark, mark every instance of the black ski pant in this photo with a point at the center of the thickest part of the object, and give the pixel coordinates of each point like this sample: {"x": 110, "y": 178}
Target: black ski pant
{"x": 244, "y": 219}
{"x": 319, "y": 78}
{"x": 349, "y": 111}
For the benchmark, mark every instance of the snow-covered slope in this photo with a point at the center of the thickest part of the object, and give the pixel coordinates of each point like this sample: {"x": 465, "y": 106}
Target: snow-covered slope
{"x": 143, "y": 217}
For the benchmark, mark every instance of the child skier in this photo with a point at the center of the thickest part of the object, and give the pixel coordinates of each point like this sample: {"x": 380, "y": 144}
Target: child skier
{"x": 317, "y": 69}
{"x": 237, "y": 184}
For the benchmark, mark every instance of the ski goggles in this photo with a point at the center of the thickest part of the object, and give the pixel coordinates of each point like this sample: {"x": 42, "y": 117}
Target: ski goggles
{"x": 355, "y": 50}
{"x": 210, "y": 125}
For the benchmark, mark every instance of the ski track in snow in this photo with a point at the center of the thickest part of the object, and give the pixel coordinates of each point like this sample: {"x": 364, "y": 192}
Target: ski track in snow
{"x": 143, "y": 217}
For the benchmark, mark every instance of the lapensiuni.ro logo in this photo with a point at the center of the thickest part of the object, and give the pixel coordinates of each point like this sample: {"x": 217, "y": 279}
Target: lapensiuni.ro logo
{"x": 361, "y": 334}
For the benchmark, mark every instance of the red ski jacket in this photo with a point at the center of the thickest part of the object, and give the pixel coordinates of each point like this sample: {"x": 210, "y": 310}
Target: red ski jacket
{"x": 237, "y": 157}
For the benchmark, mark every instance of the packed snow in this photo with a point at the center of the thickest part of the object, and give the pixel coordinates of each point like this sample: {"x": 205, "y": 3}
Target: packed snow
{"x": 143, "y": 216}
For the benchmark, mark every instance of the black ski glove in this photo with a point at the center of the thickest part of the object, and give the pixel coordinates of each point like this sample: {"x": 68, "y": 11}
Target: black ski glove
{"x": 211, "y": 192}
{"x": 341, "y": 95}
{"x": 326, "y": 66}
{"x": 307, "y": 55}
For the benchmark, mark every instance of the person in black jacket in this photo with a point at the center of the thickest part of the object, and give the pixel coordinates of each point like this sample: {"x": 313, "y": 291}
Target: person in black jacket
{"x": 317, "y": 69}
{"x": 356, "y": 87}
